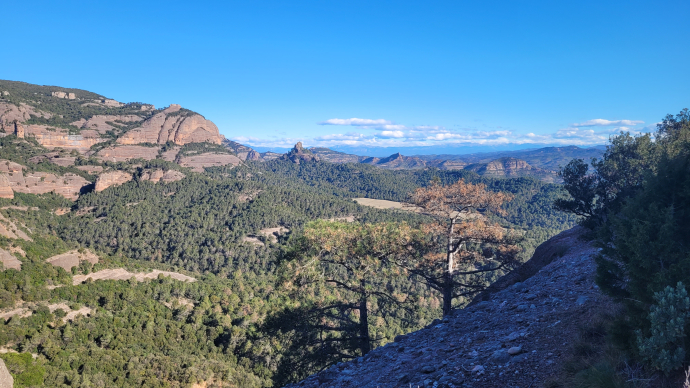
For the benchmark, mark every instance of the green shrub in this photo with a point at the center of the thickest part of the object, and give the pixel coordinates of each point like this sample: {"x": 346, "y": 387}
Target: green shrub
{"x": 665, "y": 349}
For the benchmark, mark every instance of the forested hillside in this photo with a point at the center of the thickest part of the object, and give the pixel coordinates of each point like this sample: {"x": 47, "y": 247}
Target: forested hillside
{"x": 228, "y": 227}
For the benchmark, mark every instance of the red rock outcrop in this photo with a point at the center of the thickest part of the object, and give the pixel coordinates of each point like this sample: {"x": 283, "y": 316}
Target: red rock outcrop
{"x": 179, "y": 128}
{"x": 57, "y": 137}
{"x": 68, "y": 185}
{"x": 100, "y": 124}
{"x": 170, "y": 154}
{"x": 70, "y": 96}
{"x": 112, "y": 178}
{"x": 10, "y": 113}
{"x": 5, "y": 187}
{"x": 91, "y": 169}
{"x": 162, "y": 176}
{"x": 18, "y": 130}
{"x": 198, "y": 162}
{"x": 127, "y": 152}
{"x": 55, "y": 158}
{"x": 503, "y": 167}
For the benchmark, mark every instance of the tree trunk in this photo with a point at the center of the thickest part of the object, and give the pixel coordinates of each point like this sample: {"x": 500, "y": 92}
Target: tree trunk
{"x": 365, "y": 344}
{"x": 447, "y": 296}
{"x": 448, "y": 275}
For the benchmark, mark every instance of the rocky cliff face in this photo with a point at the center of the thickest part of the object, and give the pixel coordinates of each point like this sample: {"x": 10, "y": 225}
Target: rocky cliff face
{"x": 162, "y": 176}
{"x": 178, "y": 128}
{"x": 68, "y": 185}
{"x": 517, "y": 337}
{"x": 112, "y": 178}
{"x": 511, "y": 167}
{"x": 127, "y": 152}
{"x": 51, "y": 137}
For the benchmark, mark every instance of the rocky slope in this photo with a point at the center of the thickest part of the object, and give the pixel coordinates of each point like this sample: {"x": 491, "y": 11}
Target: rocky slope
{"x": 517, "y": 336}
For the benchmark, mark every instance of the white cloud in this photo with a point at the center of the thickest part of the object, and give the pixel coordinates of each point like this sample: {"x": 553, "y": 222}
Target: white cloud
{"x": 385, "y": 133}
{"x": 356, "y": 122}
{"x": 606, "y": 123}
{"x": 396, "y": 134}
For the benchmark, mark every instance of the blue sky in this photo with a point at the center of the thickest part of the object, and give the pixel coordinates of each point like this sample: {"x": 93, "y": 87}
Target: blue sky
{"x": 449, "y": 74}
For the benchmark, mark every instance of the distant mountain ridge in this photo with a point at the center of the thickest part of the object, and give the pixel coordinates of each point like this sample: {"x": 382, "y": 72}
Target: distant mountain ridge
{"x": 541, "y": 163}
{"x": 93, "y": 126}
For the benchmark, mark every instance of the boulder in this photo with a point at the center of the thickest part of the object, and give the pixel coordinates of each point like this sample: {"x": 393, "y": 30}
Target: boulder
{"x": 112, "y": 178}
{"x": 59, "y": 94}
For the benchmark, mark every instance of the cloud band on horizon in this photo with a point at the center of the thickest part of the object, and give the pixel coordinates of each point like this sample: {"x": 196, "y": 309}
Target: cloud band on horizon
{"x": 387, "y": 134}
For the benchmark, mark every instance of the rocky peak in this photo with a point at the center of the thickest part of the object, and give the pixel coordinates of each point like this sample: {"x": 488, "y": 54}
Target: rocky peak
{"x": 253, "y": 155}
{"x": 300, "y": 154}
{"x": 180, "y": 129}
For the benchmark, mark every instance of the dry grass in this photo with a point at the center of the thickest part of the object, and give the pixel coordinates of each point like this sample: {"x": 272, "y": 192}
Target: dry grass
{"x": 379, "y": 203}
{"x": 123, "y": 274}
